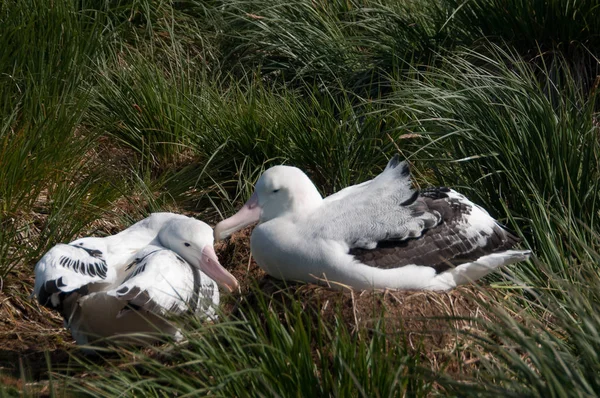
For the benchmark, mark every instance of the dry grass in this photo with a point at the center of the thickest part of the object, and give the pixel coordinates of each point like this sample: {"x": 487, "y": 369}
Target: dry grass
{"x": 29, "y": 335}
{"x": 433, "y": 324}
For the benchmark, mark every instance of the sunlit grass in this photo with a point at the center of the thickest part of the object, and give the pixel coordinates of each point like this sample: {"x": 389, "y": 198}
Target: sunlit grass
{"x": 112, "y": 110}
{"x": 517, "y": 146}
{"x": 272, "y": 348}
{"x": 44, "y": 151}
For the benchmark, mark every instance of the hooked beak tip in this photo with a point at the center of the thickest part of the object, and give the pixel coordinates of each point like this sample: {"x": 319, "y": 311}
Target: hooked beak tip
{"x": 209, "y": 264}
{"x": 219, "y": 234}
{"x": 233, "y": 287}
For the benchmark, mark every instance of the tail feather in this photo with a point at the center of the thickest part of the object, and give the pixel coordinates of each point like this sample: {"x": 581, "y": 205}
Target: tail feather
{"x": 472, "y": 271}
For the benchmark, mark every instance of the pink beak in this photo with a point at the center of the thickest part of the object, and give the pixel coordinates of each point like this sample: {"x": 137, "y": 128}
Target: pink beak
{"x": 248, "y": 214}
{"x": 209, "y": 264}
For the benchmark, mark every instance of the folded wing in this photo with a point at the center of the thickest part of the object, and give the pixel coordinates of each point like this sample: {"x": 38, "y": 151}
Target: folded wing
{"x": 464, "y": 234}
{"x": 374, "y": 211}
{"x": 163, "y": 283}
{"x": 69, "y": 269}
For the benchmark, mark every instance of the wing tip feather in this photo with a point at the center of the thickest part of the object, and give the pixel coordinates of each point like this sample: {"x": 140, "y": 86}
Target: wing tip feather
{"x": 398, "y": 168}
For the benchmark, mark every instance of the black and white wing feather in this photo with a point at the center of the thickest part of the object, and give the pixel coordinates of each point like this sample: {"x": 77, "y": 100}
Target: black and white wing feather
{"x": 163, "y": 283}
{"x": 66, "y": 269}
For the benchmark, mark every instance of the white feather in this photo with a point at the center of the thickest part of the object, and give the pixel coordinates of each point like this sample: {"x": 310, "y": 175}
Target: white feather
{"x": 89, "y": 301}
{"x": 163, "y": 283}
{"x": 61, "y": 265}
{"x": 303, "y": 237}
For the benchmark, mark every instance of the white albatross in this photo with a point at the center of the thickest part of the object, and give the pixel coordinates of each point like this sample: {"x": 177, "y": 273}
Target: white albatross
{"x": 374, "y": 235}
{"x": 134, "y": 281}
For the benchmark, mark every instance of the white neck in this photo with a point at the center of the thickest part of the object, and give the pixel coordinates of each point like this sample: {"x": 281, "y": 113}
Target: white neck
{"x": 125, "y": 244}
{"x": 306, "y": 200}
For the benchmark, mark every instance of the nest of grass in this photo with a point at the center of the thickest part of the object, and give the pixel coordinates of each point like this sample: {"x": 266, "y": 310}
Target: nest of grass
{"x": 434, "y": 324}
{"x": 30, "y": 336}
{"x": 438, "y": 325}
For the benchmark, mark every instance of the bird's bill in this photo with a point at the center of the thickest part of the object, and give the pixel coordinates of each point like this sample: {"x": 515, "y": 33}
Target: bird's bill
{"x": 248, "y": 214}
{"x": 210, "y": 265}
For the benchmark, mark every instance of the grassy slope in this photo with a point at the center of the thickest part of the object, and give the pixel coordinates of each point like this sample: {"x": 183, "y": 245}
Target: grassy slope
{"x": 111, "y": 112}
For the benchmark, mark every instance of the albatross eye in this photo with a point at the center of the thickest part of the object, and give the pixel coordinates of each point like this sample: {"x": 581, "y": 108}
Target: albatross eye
{"x": 187, "y": 244}
{"x": 276, "y": 190}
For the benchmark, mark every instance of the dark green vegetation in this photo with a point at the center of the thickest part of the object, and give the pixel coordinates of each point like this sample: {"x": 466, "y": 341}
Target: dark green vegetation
{"x": 111, "y": 110}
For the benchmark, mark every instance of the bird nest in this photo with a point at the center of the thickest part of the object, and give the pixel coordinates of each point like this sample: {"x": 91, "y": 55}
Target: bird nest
{"x": 435, "y": 324}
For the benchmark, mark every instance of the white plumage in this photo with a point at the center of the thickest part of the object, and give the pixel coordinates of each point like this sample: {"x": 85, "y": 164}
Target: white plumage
{"x": 164, "y": 283}
{"x": 134, "y": 281}
{"x": 378, "y": 234}
{"x": 67, "y": 268}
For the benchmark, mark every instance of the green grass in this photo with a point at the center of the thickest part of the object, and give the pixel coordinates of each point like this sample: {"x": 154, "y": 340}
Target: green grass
{"x": 274, "y": 348}
{"x": 112, "y": 110}
{"x": 510, "y": 141}
{"x": 44, "y": 147}
{"x": 553, "y": 352}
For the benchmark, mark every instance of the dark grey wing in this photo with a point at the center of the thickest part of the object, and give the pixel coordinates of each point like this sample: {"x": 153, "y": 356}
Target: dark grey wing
{"x": 374, "y": 211}
{"x": 466, "y": 233}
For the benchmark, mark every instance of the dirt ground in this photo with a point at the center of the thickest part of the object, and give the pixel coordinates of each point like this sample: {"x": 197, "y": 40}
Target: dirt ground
{"x": 31, "y": 337}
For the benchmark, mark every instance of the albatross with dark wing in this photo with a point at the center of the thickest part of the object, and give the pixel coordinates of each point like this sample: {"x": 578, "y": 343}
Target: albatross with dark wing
{"x": 378, "y": 234}
{"x": 133, "y": 281}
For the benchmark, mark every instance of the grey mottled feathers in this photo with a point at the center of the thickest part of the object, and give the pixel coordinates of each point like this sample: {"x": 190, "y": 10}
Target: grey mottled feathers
{"x": 374, "y": 211}
{"x": 464, "y": 233}
{"x": 386, "y": 224}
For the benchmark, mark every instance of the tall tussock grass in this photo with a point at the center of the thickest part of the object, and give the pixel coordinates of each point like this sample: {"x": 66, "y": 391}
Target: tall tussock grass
{"x": 544, "y": 346}
{"x": 47, "y": 54}
{"x": 330, "y": 44}
{"x": 513, "y": 140}
{"x": 542, "y": 32}
{"x": 121, "y": 108}
{"x": 356, "y": 44}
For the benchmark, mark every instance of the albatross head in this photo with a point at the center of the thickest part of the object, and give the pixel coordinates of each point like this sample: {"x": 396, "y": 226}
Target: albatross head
{"x": 279, "y": 191}
{"x": 193, "y": 240}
